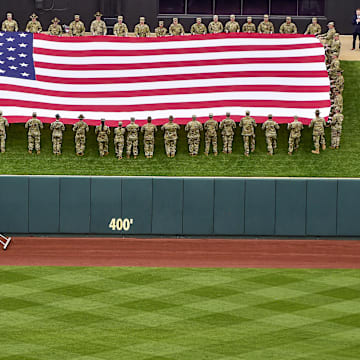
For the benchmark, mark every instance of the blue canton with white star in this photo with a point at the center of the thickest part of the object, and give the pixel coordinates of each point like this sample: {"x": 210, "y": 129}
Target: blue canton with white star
{"x": 16, "y": 55}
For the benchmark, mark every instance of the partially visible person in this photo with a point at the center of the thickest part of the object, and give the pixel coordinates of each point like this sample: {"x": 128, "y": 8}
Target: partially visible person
{"x": 356, "y": 23}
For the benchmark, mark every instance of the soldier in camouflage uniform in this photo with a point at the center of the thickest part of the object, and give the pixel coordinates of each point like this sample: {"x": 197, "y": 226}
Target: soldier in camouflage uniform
{"x": 33, "y": 26}
{"x": 149, "y": 131}
{"x": 176, "y": 28}
{"x": 314, "y": 28}
{"x": 120, "y": 28}
{"x": 77, "y": 27}
{"x": 227, "y": 126}
{"x": 198, "y": 28}
{"x": 295, "y": 129}
{"x": 335, "y": 45}
{"x": 98, "y": 26}
{"x": 34, "y": 125}
{"x": 142, "y": 29}
{"x": 80, "y": 129}
{"x": 288, "y": 27}
{"x": 338, "y": 83}
{"x": 318, "y": 124}
{"x": 215, "y": 27}
{"x": 248, "y": 126}
{"x": 232, "y": 26}
{"x": 132, "y": 139}
{"x": 334, "y": 67}
{"x": 270, "y": 126}
{"x": 170, "y": 136}
{"x": 329, "y": 36}
{"x": 249, "y": 26}
{"x": 336, "y": 127}
{"x": 338, "y": 101}
{"x": 57, "y": 128}
{"x": 193, "y": 129}
{"x": 119, "y": 140}
{"x": 266, "y": 26}
{"x": 55, "y": 28}
{"x": 9, "y": 24}
{"x": 210, "y": 128}
{"x": 3, "y": 125}
{"x": 160, "y": 30}
{"x": 103, "y": 131}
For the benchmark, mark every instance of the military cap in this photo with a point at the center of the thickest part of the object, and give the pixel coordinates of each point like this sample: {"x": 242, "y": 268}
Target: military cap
{"x": 98, "y": 13}
{"x": 337, "y": 34}
{"x": 211, "y": 115}
{"x": 215, "y": 16}
{"x": 149, "y": 118}
{"x": 142, "y": 18}
{"x": 102, "y": 120}
{"x": 57, "y": 116}
{"x": 340, "y": 71}
{"x": 198, "y": 19}
{"x": 232, "y": 16}
{"x": 227, "y": 114}
{"x": 270, "y": 116}
{"x": 120, "y": 123}
{"x": 247, "y": 112}
{"x": 249, "y": 18}
{"x": 9, "y": 14}
{"x": 331, "y": 23}
{"x": 337, "y": 108}
{"x": 34, "y": 114}
{"x": 55, "y": 20}
{"x": 120, "y": 17}
{"x": 296, "y": 117}
{"x": 171, "y": 118}
{"x": 194, "y": 117}
{"x": 81, "y": 116}
{"x": 33, "y": 16}
{"x": 314, "y": 19}
{"x": 288, "y": 18}
{"x": 132, "y": 119}
{"x": 76, "y": 16}
{"x": 1, "y": 112}
{"x": 266, "y": 16}
{"x": 317, "y": 112}
{"x": 161, "y": 23}
{"x": 175, "y": 19}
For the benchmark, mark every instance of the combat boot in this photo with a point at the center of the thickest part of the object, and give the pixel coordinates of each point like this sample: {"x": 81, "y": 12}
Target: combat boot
{"x": 316, "y": 151}
{"x": 290, "y": 153}
{"x": 30, "y": 151}
{"x": 323, "y": 146}
{"x": 38, "y": 152}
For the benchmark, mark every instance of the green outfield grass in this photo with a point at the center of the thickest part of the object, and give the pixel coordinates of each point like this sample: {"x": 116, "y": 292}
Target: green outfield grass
{"x": 331, "y": 163}
{"x": 178, "y": 314}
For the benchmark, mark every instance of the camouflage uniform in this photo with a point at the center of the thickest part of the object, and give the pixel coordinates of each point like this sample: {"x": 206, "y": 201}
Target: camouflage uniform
{"x": 295, "y": 128}
{"x": 339, "y": 82}
{"x": 198, "y": 28}
{"x": 120, "y": 28}
{"x": 33, "y": 26}
{"x": 215, "y": 27}
{"x": 103, "y": 132}
{"x": 57, "y": 128}
{"x": 160, "y": 30}
{"x": 334, "y": 68}
{"x": 336, "y": 127}
{"x": 249, "y": 26}
{"x": 338, "y": 102}
{"x": 314, "y": 28}
{"x": 319, "y": 124}
{"x": 288, "y": 28}
{"x": 170, "y": 136}
{"x": 119, "y": 140}
{"x": 80, "y": 129}
{"x": 193, "y": 129}
{"x": 266, "y": 27}
{"x": 142, "y": 29}
{"x": 132, "y": 139}
{"x": 232, "y": 26}
{"x": 335, "y": 46}
{"x": 149, "y": 130}
{"x": 211, "y": 127}
{"x": 34, "y": 125}
{"x": 270, "y": 126}
{"x": 98, "y": 26}
{"x": 77, "y": 28}
{"x": 176, "y": 28}
{"x": 55, "y": 28}
{"x": 329, "y": 36}
{"x": 248, "y": 125}
{"x": 227, "y": 125}
{"x": 10, "y": 25}
{"x": 3, "y": 125}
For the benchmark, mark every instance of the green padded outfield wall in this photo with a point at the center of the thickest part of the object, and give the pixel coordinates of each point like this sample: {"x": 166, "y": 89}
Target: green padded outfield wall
{"x": 179, "y": 206}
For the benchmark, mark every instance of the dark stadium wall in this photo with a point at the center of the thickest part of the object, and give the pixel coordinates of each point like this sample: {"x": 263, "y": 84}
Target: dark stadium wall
{"x": 132, "y": 9}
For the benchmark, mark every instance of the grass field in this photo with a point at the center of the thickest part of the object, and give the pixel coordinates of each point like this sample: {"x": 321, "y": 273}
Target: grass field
{"x": 331, "y": 163}
{"x": 179, "y": 314}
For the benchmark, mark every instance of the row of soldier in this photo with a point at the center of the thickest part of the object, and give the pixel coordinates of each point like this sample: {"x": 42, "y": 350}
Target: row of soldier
{"x": 98, "y": 26}
{"x": 170, "y": 129}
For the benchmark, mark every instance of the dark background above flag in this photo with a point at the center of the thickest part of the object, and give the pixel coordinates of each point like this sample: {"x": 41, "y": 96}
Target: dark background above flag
{"x": 132, "y": 9}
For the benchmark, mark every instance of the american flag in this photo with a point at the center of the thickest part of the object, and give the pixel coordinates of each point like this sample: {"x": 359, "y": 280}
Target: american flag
{"x": 118, "y": 78}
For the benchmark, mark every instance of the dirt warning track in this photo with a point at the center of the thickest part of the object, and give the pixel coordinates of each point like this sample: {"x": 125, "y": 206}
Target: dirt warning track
{"x": 173, "y": 252}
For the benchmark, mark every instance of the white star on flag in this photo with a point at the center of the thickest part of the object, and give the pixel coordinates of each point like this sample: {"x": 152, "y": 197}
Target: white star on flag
{"x": 1, "y": 61}
{"x": 23, "y": 35}
{"x": 24, "y": 64}
{"x": 2, "y": 71}
{"x": 22, "y": 55}
{"x": 1, "y": 44}
{"x": 10, "y": 58}
{"x": 11, "y": 49}
{"x": 1, "y": 34}
{"x": 12, "y": 67}
{"x": 25, "y": 74}
{"x": 23, "y": 45}
{"x": 10, "y": 39}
